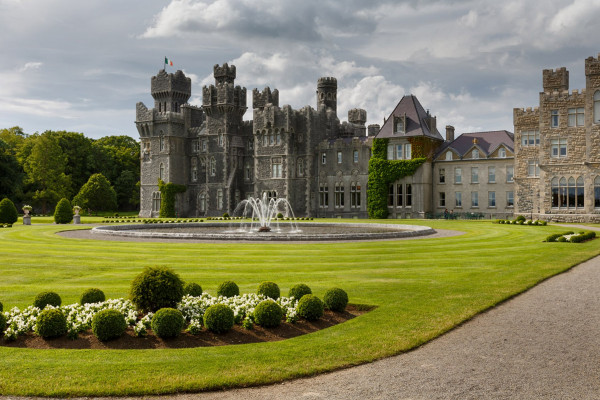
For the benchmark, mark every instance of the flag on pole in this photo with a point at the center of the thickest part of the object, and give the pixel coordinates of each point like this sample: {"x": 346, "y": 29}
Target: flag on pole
{"x": 168, "y": 62}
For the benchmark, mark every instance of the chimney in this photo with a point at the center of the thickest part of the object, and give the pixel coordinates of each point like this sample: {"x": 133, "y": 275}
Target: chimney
{"x": 449, "y": 133}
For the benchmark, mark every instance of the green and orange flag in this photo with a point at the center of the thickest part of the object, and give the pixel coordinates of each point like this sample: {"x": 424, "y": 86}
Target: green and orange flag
{"x": 168, "y": 62}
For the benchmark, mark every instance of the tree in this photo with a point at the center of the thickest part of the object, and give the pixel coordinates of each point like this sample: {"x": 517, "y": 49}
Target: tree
{"x": 64, "y": 212}
{"x": 97, "y": 194}
{"x": 8, "y": 212}
{"x": 45, "y": 166}
{"x": 79, "y": 158}
{"x": 127, "y": 190}
{"x": 114, "y": 154}
{"x": 11, "y": 173}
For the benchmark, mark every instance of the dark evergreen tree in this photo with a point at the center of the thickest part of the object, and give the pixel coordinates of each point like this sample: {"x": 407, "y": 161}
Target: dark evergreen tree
{"x": 97, "y": 194}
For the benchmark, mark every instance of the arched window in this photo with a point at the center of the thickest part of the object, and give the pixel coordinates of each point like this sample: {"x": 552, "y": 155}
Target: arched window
{"x": 579, "y": 192}
{"x": 502, "y": 152}
{"x": 571, "y": 192}
{"x": 597, "y": 106}
{"x": 554, "y": 185}
{"x": 448, "y": 156}
{"x": 265, "y": 139}
{"x": 162, "y": 142}
{"x": 213, "y": 166}
{"x": 597, "y": 192}
{"x": 156, "y": 201}
{"x": 562, "y": 186}
{"x": 277, "y": 137}
{"x": 202, "y": 202}
{"x": 300, "y": 167}
{"x": 161, "y": 172}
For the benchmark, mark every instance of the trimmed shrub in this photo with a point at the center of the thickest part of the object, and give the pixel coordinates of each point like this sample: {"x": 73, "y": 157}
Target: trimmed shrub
{"x": 226, "y": 215}
{"x": 228, "y": 289}
{"x": 520, "y": 218}
{"x": 47, "y": 298}
{"x": 92, "y": 295}
{"x": 2, "y": 323}
{"x": 336, "y": 299}
{"x": 51, "y": 323}
{"x": 583, "y": 237}
{"x": 167, "y": 323}
{"x": 218, "y": 318}
{"x": 268, "y": 314}
{"x": 299, "y": 290}
{"x": 310, "y": 307}
{"x": 269, "y": 289}
{"x": 156, "y": 288}
{"x": 8, "y": 212}
{"x": 108, "y": 324}
{"x": 63, "y": 214}
{"x": 192, "y": 289}
{"x": 561, "y": 239}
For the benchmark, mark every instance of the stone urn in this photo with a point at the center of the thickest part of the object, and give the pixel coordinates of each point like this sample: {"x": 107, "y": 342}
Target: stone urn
{"x": 76, "y": 216}
{"x": 26, "y": 216}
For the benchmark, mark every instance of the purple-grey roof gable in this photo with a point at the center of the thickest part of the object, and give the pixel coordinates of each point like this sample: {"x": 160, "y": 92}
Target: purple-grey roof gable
{"x": 415, "y": 120}
{"x": 488, "y": 142}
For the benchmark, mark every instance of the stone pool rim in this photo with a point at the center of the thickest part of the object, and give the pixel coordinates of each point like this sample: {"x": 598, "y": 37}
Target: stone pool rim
{"x": 396, "y": 231}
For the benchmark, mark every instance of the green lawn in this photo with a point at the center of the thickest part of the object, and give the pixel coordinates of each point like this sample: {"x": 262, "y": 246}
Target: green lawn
{"x": 422, "y": 288}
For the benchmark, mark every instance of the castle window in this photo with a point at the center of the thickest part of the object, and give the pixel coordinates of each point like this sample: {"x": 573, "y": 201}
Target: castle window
{"x": 251, "y": 144}
{"x": 300, "y": 167}
{"x": 474, "y": 199}
{"x": 407, "y": 151}
{"x": 390, "y": 152}
{"x": 195, "y": 146}
{"x": 563, "y": 190}
{"x": 408, "y": 202}
{"x": 510, "y": 173}
{"x": 442, "y": 175}
{"x": 579, "y": 192}
{"x": 323, "y": 158}
{"x": 355, "y": 154}
{"x": 597, "y": 106}
{"x": 202, "y": 203}
{"x": 555, "y": 192}
{"x": 265, "y": 139}
{"x": 220, "y": 199}
{"x": 502, "y": 152}
{"x": 213, "y": 166}
{"x": 474, "y": 174}
{"x": 277, "y": 137}
{"x": 162, "y": 143}
{"x": 475, "y": 154}
{"x": 597, "y": 192}
{"x": 391, "y": 195}
{"x": 323, "y": 195}
{"x": 399, "y": 125}
{"x": 220, "y": 139}
{"x": 530, "y": 138}
{"x": 571, "y": 192}
{"x": 276, "y": 168}
{"x": 576, "y": 117}
{"x": 204, "y": 145}
{"x": 399, "y": 153}
{"x": 161, "y": 172}
{"x": 271, "y": 139}
{"x": 155, "y": 201}
{"x": 554, "y": 118}
{"x": 491, "y": 174}
{"x": 194, "y": 170}
{"x": 339, "y": 157}
{"x": 558, "y": 147}
{"x": 448, "y": 156}
{"x": 248, "y": 172}
{"x": 442, "y": 199}
{"x": 510, "y": 199}
{"x": 457, "y": 175}
{"x": 533, "y": 168}
{"x": 491, "y": 199}
{"x": 339, "y": 195}
{"x": 399, "y": 195}
{"x": 458, "y": 199}
{"x": 355, "y": 195}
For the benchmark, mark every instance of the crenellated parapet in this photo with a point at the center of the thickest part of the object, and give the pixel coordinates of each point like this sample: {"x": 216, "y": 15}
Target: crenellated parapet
{"x": 164, "y": 84}
{"x": 224, "y": 74}
{"x": 592, "y": 66}
{"x": 260, "y": 100}
{"x": 555, "y": 80}
{"x": 357, "y": 116}
{"x": 327, "y": 93}
{"x": 224, "y": 96}
{"x": 526, "y": 113}
{"x": 563, "y": 95}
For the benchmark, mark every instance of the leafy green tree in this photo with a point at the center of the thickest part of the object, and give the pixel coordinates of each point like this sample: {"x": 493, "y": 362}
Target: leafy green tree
{"x": 64, "y": 212}
{"x": 126, "y": 189}
{"x": 8, "y": 212}
{"x": 14, "y": 137}
{"x": 97, "y": 194}
{"x": 11, "y": 173}
{"x": 114, "y": 154}
{"x": 79, "y": 157}
{"x": 45, "y": 168}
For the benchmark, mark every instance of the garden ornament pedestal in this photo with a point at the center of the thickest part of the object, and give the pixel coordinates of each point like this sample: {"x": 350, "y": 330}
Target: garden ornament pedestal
{"x": 77, "y": 219}
{"x": 26, "y": 219}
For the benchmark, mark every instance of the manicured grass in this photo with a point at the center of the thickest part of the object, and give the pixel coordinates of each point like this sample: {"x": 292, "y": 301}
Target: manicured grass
{"x": 422, "y": 289}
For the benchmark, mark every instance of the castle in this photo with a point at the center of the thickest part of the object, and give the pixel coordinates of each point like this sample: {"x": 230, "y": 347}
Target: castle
{"x": 549, "y": 169}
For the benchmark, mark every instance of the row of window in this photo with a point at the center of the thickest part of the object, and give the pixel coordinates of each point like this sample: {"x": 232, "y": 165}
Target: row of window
{"x": 339, "y": 157}
{"x": 399, "y": 151}
{"x": 400, "y": 195}
{"x": 475, "y": 154}
{"x": 475, "y": 174}
{"x": 339, "y": 195}
{"x": 458, "y": 199}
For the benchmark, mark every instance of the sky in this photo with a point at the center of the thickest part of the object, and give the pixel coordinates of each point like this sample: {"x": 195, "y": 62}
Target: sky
{"x": 82, "y": 66}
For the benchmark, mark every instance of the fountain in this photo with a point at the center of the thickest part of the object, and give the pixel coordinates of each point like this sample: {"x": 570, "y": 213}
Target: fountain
{"x": 262, "y": 211}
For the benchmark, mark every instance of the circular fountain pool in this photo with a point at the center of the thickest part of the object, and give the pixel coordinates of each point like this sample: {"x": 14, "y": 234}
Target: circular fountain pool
{"x": 282, "y": 232}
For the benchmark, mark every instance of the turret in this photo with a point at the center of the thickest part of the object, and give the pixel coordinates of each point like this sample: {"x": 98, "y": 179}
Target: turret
{"x": 555, "y": 80}
{"x": 357, "y": 116}
{"x": 170, "y": 91}
{"x": 223, "y": 96}
{"x": 260, "y": 100}
{"x": 327, "y": 94}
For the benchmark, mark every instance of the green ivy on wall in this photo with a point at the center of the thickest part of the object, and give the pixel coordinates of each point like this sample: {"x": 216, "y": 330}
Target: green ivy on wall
{"x": 382, "y": 172}
{"x": 168, "y": 192}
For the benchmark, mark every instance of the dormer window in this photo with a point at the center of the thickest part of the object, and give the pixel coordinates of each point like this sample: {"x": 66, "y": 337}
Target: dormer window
{"x": 502, "y": 152}
{"x": 400, "y": 125}
{"x": 448, "y": 156}
{"x": 475, "y": 154}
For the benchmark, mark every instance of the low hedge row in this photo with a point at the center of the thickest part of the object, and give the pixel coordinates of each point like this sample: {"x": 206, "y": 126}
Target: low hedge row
{"x": 521, "y": 222}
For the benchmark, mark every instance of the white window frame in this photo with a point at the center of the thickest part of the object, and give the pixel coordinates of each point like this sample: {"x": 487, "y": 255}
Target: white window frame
{"x": 491, "y": 174}
{"x": 474, "y": 174}
{"x": 554, "y": 119}
{"x": 576, "y": 116}
{"x": 457, "y": 175}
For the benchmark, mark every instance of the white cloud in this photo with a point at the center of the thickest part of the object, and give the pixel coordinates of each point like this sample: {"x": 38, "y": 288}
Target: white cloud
{"x": 31, "y": 66}
{"x": 37, "y": 107}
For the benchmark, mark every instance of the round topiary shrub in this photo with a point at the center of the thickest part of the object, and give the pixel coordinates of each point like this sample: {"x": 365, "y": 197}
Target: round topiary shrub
{"x": 268, "y": 314}
{"x": 269, "y": 289}
{"x": 192, "y": 289}
{"x": 51, "y": 323}
{"x": 228, "y": 289}
{"x": 92, "y": 295}
{"x": 2, "y": 323}
{"x": 108, "y": 324}
{"x": 8, "y": 212}
{"x": 218, "y": 318}
{"x": 155, "y": 288}
{"x": 167, "y": 323}
{"x": 310, "y": 307}
{"x": 299, "y": 290}
{"x": 63, "y": 214}
{"x": 336, "y": 299}
{"x": 47, "y": 298}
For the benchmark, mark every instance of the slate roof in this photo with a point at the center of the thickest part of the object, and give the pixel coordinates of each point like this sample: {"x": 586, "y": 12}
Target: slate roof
{"x": 415, "y": 120}
{"x": 487, "y": 142}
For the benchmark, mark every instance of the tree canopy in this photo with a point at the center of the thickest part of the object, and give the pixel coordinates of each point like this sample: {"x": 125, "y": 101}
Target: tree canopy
{"x": 97, "y": 194}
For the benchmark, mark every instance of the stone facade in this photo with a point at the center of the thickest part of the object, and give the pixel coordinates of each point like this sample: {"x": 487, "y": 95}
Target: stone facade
{"x": 557, "y": 150}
